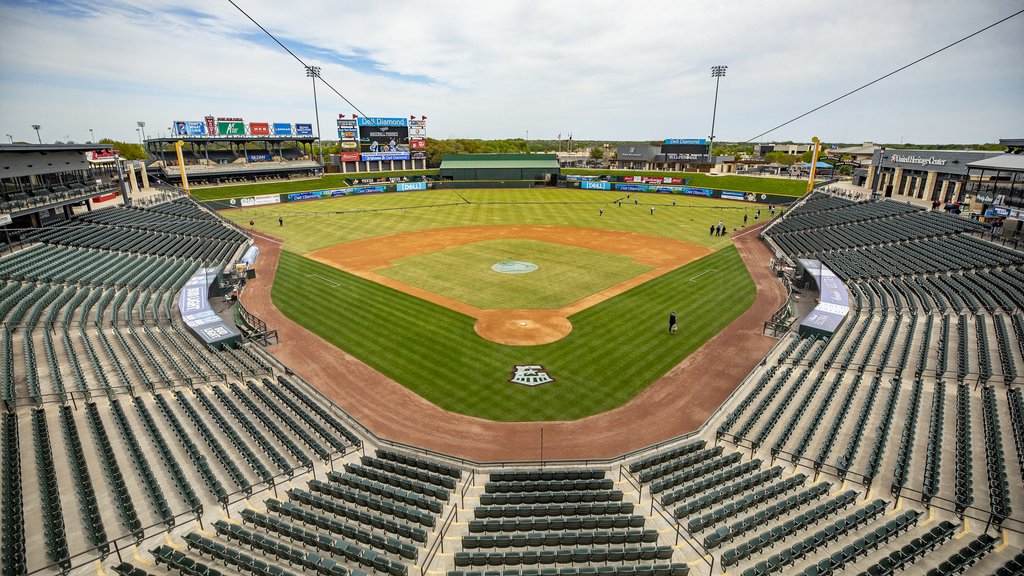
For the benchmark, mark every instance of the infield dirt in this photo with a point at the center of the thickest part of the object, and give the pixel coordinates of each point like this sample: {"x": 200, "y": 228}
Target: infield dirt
{"x": 511, "y": 327}
{"x": 677, "y": 403}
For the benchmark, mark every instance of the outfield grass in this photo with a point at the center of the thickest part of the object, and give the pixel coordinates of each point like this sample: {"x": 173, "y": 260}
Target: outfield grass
{"x": 762, "y": 185}
{"x": 616, "y": 349}
{"x": 284, "y": 187}
{"x": 565, "y": 274}
{"x": 320, "y": 223}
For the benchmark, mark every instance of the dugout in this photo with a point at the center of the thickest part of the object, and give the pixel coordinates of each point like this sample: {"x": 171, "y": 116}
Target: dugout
{"x": 498, "y": 170}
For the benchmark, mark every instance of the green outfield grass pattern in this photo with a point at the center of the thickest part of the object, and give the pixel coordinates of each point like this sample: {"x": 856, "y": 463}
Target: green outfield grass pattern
{"x": 761, "y": 185}
{"x": 616, "y": 349}
{"x": 318, "y": 224}
{"x": 565, "y": 274}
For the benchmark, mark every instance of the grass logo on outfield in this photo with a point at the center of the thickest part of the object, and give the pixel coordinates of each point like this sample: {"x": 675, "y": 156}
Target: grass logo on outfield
{"x": 530, "y": 375}
{"x": 514, "y": 267}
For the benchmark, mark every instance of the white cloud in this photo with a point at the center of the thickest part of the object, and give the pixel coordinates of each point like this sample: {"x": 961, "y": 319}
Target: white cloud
{"x": 601, "y": 69}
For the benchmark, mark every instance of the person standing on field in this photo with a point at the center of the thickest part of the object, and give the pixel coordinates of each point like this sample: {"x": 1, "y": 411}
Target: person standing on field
{"x": 672, "y": 327}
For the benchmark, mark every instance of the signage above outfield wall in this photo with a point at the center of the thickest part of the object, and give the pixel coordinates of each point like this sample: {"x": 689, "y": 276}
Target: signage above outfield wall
{"x": 596, "y": 185}
{"x": 197, "y": 313}
{"x": 674, "y": 141}
{"x": 409, "y": 186}
{"x": 262, "y": 200}
{"x": 230, "y": 128}
{"x": 304, "y": 129}
{"x": 282, "y": 129}
{"x": 189, "y": 128}
{"x": 259, "y": 129}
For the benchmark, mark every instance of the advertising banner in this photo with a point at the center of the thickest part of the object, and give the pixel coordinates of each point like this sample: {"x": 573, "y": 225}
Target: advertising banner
{"x": 834, "y": 300}
{"x": 631, "y": 187}
{"x": 418, "y": 155}
{"x": 673, "y": 141}
{"x": 596, "y": 185}
{"x": 259, "y": 129}
{"x": 348, "y": 145}
{"x": 231, "y": 128}
{"x": 349, "y": 156}
{"x": 416, "y": 144}
{"x": 407, "y": 186}
{"x": 304, "y": 129}
{"x": 189, "y": 128}
{"x": 259, "y": 156}
{"x": 728, "y": 195}
{"x": 418, "y": 131}
{"x": 383, "y": 138}
{"x": 211, "y": 126}
{"x": 706, "y": 192}
{"x": 262, "y": 200}
{"x": 417, "y": 123}
{"x": 652, "y": 179}
{"x": 282, "y": 129}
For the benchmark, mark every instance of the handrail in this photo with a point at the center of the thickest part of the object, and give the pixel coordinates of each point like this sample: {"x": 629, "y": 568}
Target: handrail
{"x": 439, "y": 540}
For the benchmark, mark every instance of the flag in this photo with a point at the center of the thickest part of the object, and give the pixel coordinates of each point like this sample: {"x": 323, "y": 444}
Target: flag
{"x": 412, "y": 116}
{"x": 355, "y": 115}
{"x": 423, "y": 117}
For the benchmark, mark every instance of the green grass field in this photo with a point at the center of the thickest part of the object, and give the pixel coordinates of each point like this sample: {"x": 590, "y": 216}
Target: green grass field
{"x": 615, "y": 350}
{"x": 565, "y": 274}
{"x": 320, "y": 223}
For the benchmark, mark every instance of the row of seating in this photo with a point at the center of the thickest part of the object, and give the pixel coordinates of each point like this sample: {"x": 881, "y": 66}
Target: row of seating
{"x": 845, "y": 461}
{"x": 12, "y": 511}
{"x": 229, "y": 555}
{"x": 907, "y": 440}
{"x": 963, "y": 488}
{"x": 156, "y": 497}
{"x": 662, "y": 457}
{"x": 112, "y": 470}
{"x": 350, "y": 436}
{"x": 298, "y": 430}
{"x": 933, "y": 450}
{"x": 694, "y": 466}
{"x": 830, "y": 533}
{"x": 745, "y": 502}
{"x": 674, "y": 569}
{"x": 539, "y": 524}
{"x": 181, "y": 481}
{"x": 383, "y": 490}
{"x": 710, "y": 474}
{"x": 334, "y": 525}
{"x": 719, "y": 495}
{"x": 583, "y": 496}
{"x": 966, "y": 557}
{"x": 569, "y": 509}
{"x": 771, "y": 512}
{"x": 55, "y": 538}
{"x": 666, "y": 475}
{"x": 897, "y": 560}
{"x": 574, "y": 556}
{"x": 558, "y": 539}
{"x": 409, "y": 460}
{"x": 177, "y": 560}
{"x": 861, "y": 546}
{"x": 884, "y": 427}
{"x": 1015, "y": 403}
{"x": 360, "y": 514}
{"x": 382, "y": 503}
{"x": 545, "y": 485}
{"x": 92, "y": 522}
{"x": 998, "y": 484}
{"x": 269, "y": 423}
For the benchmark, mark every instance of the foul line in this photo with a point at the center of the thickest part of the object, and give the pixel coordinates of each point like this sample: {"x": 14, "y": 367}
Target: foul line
{"x": 756, "y": 228}
{"x": 326, "y": 280}
{"x": 703, "y": 273}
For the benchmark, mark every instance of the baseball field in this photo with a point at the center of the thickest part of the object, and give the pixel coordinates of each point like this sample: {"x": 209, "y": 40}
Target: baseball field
{"x": 454, "y": 294}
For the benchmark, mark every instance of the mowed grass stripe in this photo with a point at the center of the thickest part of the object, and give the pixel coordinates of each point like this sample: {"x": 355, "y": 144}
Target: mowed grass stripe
{"x": 616, "y": 349}
{"x": 321, "y": 223}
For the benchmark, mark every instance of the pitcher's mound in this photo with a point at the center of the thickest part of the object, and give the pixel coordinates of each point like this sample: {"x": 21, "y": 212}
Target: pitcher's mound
{"x": 522, "y": 327}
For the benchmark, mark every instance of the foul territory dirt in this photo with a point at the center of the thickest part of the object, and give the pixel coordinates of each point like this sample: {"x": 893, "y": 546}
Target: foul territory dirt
{"x": 511, "y": 327}
{"x": 679, "y": 402}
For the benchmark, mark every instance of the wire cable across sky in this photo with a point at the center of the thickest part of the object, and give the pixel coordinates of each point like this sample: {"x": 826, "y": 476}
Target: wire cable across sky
{"x": 304, "y": 65}
{"x": 880, "y": 78}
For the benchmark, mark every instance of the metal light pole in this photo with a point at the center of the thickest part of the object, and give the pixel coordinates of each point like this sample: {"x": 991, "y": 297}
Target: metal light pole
{"x": 36, "y": 127}
{"x": 716, "y": 72}
{"x": 314, "y": 73}
{"x": 92, "y": 137}
{"x": 11, "y": 138}
{"x": 142, "y": 125}
{"x": 878, "y": 173}
{"x": 139, "y": 134}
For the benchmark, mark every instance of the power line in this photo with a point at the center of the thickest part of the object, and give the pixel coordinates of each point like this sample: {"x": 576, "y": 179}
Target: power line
{"x": 879, "y": 79}
{"x": 286, "y": 49}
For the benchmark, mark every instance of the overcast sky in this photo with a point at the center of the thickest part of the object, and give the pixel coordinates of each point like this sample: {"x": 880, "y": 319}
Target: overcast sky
{"x": 600, "y": 69}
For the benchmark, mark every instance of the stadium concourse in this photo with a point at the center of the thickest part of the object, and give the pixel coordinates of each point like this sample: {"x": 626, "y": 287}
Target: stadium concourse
{"x": 897, "y": 444}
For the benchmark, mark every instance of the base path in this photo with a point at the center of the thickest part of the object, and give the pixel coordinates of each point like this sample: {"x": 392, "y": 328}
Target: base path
{"x": 679, "y": 402}
{"x": 511, "y": 327}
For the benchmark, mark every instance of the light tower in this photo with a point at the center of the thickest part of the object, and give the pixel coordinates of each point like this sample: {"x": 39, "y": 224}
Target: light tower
{"x": 717, "y": 72}
{"x": 142, "y": 126}
{"x": 36, "y": 127}
{"x": 314, "y": 73}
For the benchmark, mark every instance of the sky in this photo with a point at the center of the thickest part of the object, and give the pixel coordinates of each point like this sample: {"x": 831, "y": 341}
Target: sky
{"x": 599, "y": 69}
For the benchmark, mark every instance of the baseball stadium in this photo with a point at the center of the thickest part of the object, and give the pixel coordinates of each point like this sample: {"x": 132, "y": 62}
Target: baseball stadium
{"x": 245, "y": 356}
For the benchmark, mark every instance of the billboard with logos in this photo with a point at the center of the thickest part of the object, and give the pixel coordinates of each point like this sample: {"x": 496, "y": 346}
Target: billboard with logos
{"x": 189, "y": 128}
{"x": 282, "y": 129}
{"x": 383, "y": 138}
{"x": 304, "y": 129}
{"x": 230, "y": 127}
{"x": 259, "y": 129}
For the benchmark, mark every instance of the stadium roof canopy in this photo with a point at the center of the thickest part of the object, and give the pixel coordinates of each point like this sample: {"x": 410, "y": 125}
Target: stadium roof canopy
{"x": 53, "y": 147}
{"x": 1005, "y": 162}
{"x": 485, "y": 161}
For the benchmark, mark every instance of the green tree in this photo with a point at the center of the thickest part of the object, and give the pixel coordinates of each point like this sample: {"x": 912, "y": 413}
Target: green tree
{"x": 597, "y": 153}
{"x": 126, "y": 150}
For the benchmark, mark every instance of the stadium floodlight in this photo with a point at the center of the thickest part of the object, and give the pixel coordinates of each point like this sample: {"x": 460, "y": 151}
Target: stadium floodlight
{"x": 92, "y": 137}
{"x": 36, "y": 127}
{"x": 314, "y": 73}
{"x": 142, "y": 125}
{"x": 139, "y": 134}
{"x": 11, "y": 138}
{"x": 716, "y": 72}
